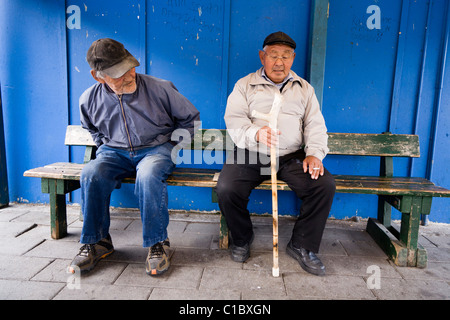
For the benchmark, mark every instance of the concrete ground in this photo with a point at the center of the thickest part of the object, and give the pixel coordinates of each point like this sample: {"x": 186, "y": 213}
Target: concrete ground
{"x": 33, "y": 266}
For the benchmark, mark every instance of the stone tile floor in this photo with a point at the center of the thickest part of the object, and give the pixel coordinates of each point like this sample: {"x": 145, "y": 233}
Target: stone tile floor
{"x": 33, "y": 266}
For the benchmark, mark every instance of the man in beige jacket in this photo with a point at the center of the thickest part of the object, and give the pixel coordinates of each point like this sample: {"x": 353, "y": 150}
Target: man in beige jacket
{"x": 301, "y": 142}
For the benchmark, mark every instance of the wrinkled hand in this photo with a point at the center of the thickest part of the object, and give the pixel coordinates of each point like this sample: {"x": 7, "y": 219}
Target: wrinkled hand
{"x": 267, "y": 136}
{"x": 314, "y": 166}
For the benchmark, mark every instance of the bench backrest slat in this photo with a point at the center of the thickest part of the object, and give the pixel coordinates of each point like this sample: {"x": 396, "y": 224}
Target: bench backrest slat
{"x": 388, "y": 145}
{"x": 78, "y": 136}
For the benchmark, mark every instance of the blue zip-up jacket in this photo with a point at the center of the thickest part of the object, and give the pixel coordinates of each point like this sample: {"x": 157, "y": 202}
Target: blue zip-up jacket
{"x": 145, "y": 118}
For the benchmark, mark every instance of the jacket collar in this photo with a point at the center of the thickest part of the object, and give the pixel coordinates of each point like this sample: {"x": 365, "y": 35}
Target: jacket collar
{"x": 258, "y": 78}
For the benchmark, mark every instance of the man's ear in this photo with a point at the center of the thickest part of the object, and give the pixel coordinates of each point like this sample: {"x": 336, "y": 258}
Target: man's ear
{"x": 261, "y": 56}
{"x": 94, "y": 75}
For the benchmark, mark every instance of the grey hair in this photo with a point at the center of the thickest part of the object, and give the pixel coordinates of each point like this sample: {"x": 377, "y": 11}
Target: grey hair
{"x": 99, "y": 74}
{"x": 265, "y": 47}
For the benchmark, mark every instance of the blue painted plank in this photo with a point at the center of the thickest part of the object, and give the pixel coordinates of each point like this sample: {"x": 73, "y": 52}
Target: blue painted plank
{"x": 34, "y": 90}
{"x": 4, "y": 191}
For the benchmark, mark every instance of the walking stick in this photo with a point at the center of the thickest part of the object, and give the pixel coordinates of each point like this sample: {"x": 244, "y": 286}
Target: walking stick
{"x": 272, "y": 118}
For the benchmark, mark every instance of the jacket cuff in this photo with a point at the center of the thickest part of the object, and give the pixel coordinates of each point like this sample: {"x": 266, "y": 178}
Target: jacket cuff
{"x": 315, "y": 153}
{"x": 251, "y": 135}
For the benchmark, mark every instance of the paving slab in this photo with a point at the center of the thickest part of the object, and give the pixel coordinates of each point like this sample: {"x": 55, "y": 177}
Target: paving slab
{"x": 55, "y": 249}
{"x": 204, "y": 258}
{"x": 103, "y": 292}
{"x": 29, "y": 290}
{"x": 193, "y": 294}
{"x": 22, "y": 268}
{"x": 105, "y": 272}
{"x": 413, "y": 289}
{"x": 241, "y": 280}
{"x": 306, "y": 286}
{"x": 177, "y": 277}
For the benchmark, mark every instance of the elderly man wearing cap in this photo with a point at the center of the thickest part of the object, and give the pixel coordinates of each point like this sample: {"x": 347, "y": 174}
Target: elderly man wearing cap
{"x": 131, "y": 118}
{"x": 301, "y": 143}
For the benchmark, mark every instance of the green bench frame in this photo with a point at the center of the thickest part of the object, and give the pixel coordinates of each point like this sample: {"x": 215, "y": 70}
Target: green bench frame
{"x": 411, "y": 196}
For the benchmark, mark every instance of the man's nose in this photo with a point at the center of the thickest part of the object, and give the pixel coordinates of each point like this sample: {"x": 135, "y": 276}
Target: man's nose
{"x": 279, "y": 61}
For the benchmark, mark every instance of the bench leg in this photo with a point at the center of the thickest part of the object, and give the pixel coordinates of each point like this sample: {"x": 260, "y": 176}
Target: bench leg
{"x": 384, "y": 208}
{"x": 223, "y": 230}
{"x": 402, "y": 246}
{"x": 223, "y": 234}
{"x": 409, "y": 234}
{"x": 58, "y": 215}
{"x": 384, "y": 212}
{"x": 388, "y": 242}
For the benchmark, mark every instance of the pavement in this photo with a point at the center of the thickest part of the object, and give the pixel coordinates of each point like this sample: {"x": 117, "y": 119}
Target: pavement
{"x": 34, "y": 266}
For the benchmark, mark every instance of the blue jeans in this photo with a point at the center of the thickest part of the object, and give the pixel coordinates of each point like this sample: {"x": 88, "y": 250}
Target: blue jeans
{"x": 102, "y": 175}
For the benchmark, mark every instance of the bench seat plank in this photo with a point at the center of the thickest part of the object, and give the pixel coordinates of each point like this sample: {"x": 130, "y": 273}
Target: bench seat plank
{"x": 205, "y": 178}
{"x": 389, "y": 186}
{"x": 60, "y": 170}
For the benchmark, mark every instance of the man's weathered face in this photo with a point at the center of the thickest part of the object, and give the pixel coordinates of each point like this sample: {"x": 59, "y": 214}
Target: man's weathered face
{"x": 124, "y": 84}
{"x": 277, "y": 61}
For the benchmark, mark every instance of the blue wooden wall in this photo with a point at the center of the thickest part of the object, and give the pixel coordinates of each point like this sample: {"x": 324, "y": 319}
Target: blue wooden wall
{"x": 386, "y": 70}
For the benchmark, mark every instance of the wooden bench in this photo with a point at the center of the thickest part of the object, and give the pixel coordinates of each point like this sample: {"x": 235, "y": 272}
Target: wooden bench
{"x": 411, "y": 196}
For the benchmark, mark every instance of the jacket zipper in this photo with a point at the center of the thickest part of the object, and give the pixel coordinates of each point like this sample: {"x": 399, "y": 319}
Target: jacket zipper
{"x": 125, "y": 122}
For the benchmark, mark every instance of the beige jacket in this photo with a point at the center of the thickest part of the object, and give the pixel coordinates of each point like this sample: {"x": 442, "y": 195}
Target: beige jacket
{"x": 300, "y": 120}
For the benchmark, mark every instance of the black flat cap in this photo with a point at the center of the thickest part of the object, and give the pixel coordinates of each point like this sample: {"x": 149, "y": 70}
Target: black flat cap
{"x": 279, "y": 38}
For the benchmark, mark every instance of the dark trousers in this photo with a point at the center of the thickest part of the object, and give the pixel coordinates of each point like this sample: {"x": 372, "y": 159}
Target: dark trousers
{"x": 239, "y": 177}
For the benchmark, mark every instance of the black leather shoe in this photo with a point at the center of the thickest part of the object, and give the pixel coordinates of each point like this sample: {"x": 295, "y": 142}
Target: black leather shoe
{"x": 307, "y": 259}
{"x": 241, "y": 254}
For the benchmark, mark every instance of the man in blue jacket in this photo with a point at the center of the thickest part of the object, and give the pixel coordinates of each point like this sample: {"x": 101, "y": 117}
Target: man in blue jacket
{"x": 131, "y": 118}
